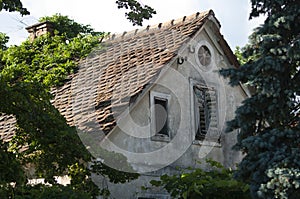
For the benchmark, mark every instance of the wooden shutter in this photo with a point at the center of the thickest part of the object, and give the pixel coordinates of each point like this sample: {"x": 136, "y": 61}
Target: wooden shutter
{"x": 206, "y": 112}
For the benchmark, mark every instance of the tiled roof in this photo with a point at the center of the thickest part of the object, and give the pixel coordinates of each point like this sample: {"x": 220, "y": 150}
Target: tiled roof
{"x": 109, "y": 79}
{"x": 7, "y": 127}
{"x": 114, "y": 75}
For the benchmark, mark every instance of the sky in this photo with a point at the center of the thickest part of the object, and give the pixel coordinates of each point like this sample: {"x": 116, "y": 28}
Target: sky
{"x": 103, "y": 15}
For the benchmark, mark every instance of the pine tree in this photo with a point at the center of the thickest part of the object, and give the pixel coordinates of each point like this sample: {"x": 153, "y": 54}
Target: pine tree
{"x": 269, "y": 121}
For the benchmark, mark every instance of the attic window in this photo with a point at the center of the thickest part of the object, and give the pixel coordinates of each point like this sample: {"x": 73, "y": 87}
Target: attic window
{"x": 159, "y": 116}
{"x": 204, "y": 55}
{"x": 206, "y": 118}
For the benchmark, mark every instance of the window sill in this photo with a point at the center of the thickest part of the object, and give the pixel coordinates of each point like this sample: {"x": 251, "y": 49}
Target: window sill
{"x": 207, "y": 143}
{"x": 161, "y": 138}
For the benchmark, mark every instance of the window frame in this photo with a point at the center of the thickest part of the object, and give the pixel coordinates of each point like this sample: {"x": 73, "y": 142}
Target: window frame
{"x": 153, "y": 134}
{"x": 201, "y": 67}
{"x": 193, "y": 109}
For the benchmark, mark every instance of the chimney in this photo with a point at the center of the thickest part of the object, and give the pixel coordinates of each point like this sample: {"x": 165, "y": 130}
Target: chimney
{"x": 39, "y": 29}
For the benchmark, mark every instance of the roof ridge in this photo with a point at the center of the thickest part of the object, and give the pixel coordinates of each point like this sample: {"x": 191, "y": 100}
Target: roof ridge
{"x": 167, "y": 24}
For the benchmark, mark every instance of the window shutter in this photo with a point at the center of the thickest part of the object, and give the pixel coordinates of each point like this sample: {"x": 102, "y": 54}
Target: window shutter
{"x": 212, "y": 115}
{"x": 206, "y": 113}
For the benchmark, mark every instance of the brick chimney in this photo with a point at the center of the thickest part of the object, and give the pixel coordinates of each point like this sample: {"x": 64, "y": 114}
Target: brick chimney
{"x": 39, "y": 29}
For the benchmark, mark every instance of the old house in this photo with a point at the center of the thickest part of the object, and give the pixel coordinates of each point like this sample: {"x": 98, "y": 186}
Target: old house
{"x": 155, "y": 96}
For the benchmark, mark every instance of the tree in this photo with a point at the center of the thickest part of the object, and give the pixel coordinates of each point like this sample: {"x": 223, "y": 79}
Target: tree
{"x": 43, "y": 137}
{"x": 12, "y": 6}
{"x": 240, "y": 57}
{"x": 69, "y": 28}
{"x": 217, "y": 182}
{"x": 136, "y": 14}
{"x": 137, "y": 11}
{"x": 3, "y": 40}
{"x": 268, "y": 121}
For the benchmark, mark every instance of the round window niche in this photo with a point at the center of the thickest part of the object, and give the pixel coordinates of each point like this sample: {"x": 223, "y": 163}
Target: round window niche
{"x": 204, "y": 55}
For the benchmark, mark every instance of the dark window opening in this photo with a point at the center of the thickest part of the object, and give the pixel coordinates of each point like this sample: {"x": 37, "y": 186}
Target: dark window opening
{"x": 206, "y": 112}
{"x": 161, "y": 116}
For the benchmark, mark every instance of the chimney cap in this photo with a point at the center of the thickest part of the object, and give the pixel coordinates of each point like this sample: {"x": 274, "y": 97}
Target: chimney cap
{"x": 39, "y": 25}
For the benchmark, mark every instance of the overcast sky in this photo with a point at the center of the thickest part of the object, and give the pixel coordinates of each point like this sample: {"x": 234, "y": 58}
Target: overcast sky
{"x": 103, "y": 15}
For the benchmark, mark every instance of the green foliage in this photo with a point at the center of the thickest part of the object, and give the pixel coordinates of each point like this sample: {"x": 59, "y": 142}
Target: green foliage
{"x": 280, "y": 183}
{"x": 41, "y": 130}
{"x": 198, "y": 183}
{"x": 10, "y": 168}
{"x": 67, "y": 27}
{"x": 115, "y": 176}
{"x": 47, "y": 59}
{"x": 136, "y": 15}
{"x": 137, "y": 11}
{"x": 41, "y": 191}
{"x": 28, "y": 73}
{"x": 12, "y": 6}
{"x": 3, "y": 41}
{"x": 242, "y": 59}
{"x": 43, "y": 137}
{"x": 269, "y": 121}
